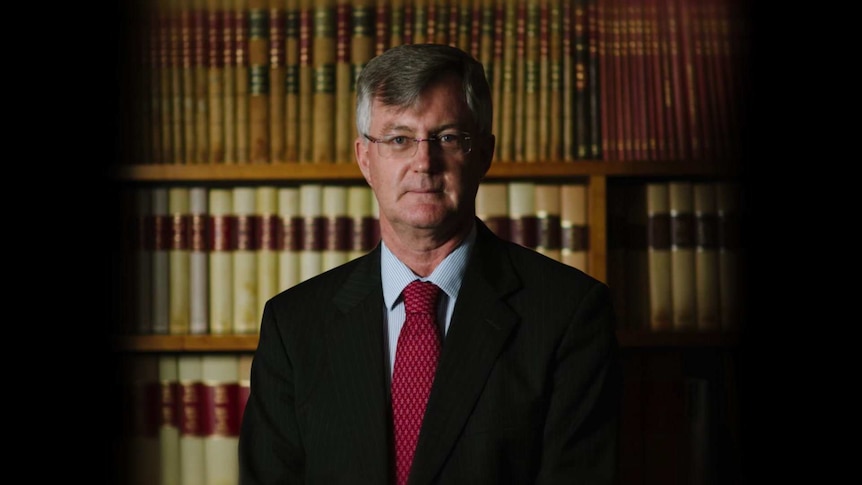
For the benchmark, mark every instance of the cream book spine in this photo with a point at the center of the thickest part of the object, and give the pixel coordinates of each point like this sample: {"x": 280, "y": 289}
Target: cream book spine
{"x": 245, "y": 316}
{"x": 221, "y": 263}
{"x": 161, "y": 262}
{"x": 548, "y": 220}
{"x": 290, "y": 246}
{"x": 192, "y": 462}
{"x": 313, "y": 230}
{"x": 198, "y": 262}
{"x": 220, "y": 418}
{"x": 169, "y": 425}
{"x": 337, "y": 239}
{"x": 179, "y": 260}
{"x": 683, "y": 278}
{"x": 492, "y": 207}
{"x": 359, "y": 210}
{"x": 728, "y": 204}
{"x": 267, "y": 252}
{"x": 658, "y": 255}
{"x": 574, "y": 226}
{"x": 523, "y": 224}
{"x": 706, "y": 256}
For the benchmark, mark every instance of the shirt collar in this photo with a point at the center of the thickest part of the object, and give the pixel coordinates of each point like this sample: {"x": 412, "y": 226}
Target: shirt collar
{"x": 448, "y": 275}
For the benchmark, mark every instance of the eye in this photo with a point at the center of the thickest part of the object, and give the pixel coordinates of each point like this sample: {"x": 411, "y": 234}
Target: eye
{"x": 398, "y": 140}
{"x": 449, "y": 138}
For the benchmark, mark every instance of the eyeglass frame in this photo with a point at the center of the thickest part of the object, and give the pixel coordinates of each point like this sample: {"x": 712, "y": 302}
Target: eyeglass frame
{"x": 466, "y": 136}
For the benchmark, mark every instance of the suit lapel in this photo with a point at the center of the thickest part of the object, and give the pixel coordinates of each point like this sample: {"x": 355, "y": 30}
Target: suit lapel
{"x": 355, "y": 350}
{"x": 480, "y": 326}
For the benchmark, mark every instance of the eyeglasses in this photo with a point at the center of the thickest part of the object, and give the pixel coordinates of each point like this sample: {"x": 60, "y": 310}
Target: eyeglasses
{"x": 400, "y": 146}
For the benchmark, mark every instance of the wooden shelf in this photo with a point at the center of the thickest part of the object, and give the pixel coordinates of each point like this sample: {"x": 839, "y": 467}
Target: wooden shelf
{"x": 302, "y": 172}
{"x": 248, "y": 343}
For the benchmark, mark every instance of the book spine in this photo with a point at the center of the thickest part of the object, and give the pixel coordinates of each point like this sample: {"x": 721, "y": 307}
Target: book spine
{"x": 161, "y": 227}
{"x": 242, "y": 76}
{"x": 198, "y": 261}
{"x": 523, "y": 223}
{"x": 492, "y": 207}
{"x": 728, "y": 208}
{"x": 142, "y": 320}
{"x": 596, "y": 115}
{"x": 359, "y": 209}
{"x": 682, "y": 244}
{"x": 548, "y": 215}
{"x": 323, "y": 87}
{"x": 221, "y": 226}
{"x": 220, "y": 416}
{"x": 313, "y": 230}
{"x": 192, "y": 457}
{"x": 640, "y": 258}
{"x": 178, "y": 252}
{"x": 337, "y": 226}
{"x": 290, "y": 238}
{"x": 244, "y": 256}
{"x": 258, "y": 81}
{"x": 187, "y": 81}
{"x": 267, "y": 237}
{"x": 277, "y": 85}
{"x": 144, "y": 453}
{"x": 343, "y": 131}
{"x": 169, "y": 418}
{"x": 361, "y": 51}
{"x": 215, "y": 81}
{"x": 306, "y": 81}
{"x": 291, "y": 81}
{"x": 658, "y": 252}
{"x": 574, "y": 227}
{"x": 229, "y": 78}
{"x": 706, "y": 256}
{"x": 200, "y": 68}
{"x": 581, "y": 126}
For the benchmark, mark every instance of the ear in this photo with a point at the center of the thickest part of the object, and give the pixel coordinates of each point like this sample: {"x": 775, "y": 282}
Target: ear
{"x": 360, "y": 151}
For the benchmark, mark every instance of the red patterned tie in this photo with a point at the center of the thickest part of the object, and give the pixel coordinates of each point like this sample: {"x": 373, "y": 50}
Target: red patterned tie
{"x": 413, "y": 373}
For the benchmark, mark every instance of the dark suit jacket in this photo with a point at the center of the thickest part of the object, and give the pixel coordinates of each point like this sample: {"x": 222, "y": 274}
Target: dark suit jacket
{"x": 527, "y": 389}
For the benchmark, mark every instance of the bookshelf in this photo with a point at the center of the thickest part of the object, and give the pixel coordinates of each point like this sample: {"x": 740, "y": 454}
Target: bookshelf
{"x": 620, "y": 154}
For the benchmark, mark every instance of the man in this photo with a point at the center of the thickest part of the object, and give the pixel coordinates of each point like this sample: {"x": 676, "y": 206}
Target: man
{"x": 527, "y": 384}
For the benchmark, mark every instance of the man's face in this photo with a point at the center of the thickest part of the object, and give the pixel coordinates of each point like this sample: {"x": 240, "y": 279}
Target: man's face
{"x": 430, "y": 189}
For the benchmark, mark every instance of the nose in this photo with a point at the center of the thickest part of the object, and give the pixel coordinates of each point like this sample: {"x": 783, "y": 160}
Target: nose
{"x": 424, "y": 157}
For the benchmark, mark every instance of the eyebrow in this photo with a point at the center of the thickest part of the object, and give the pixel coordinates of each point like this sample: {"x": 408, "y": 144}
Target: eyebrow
{"x": 408, "y": 129}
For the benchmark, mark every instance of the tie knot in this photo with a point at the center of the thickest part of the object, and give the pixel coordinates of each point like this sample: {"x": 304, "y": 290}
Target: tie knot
{"x": 421, "y": 297}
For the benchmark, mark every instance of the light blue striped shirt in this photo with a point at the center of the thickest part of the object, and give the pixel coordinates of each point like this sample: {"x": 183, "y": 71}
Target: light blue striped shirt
{"x": 396, "y": 275}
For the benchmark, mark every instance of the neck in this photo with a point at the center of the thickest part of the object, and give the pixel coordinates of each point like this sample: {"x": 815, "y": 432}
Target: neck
{"x": 423, "y": 250}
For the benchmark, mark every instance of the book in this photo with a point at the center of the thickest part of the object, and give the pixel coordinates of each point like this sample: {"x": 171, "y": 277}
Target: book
{"x": 186, "y": 71}
{"x": 659, "y": 257}
{"x": 305, "y": 82}
{"x": 578, "y": 84}
{"x": 548, "y": 214}
{"x": 290, "y": 239}
{"x": 220, "y": 230}
{"x": 169, "y": 418}
{"x": 229, "y": 77}
{"x": 242, "y": 83}
{"x": 698, "y": 415}
{"x": 258, "y": 50}
{"x": 682, "y": 256}
{"x": 706, "y": 256}
{"x": 215, "y": 76}
{"x": 313, "y": 230}
{"x": 143, "y": 453}
{"x": 220, "y": 418}
{"x": 178, "y": 265}
{"x": 527, "y": 128}
{"x": 198, "y": 261}
{"x": 200, "y": 72}
{"x": 161, "y": 230}
{"x": 508, "y": 89}
{"x": 523, "y": 223}
{"x": 246, "y": 319}
{"x": 359, "y": 209}
{"x": 596, "y": 116}
{"x": 616, "y": 251}
{"x": 343, "y": 126}
{"x": 323, "y": 86}
{"x": 729, "y": 257}
{"x": 191, "y": 431}
{"x": 267, "y": 253}
{"x": 492, "y": 207}
{"x": 361, "y": 51}
{"x": 337, "y": 234}
{"x": 639, "y": 256}
{"x": 574, "y": 225}
{"x": 291, "y": 81}
{"x": 277, "y": 81}
{"x": 142, "y": 319}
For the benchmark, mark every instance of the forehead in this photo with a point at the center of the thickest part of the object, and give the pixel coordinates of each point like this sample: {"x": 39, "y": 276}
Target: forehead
{"x": 440, "y": 105}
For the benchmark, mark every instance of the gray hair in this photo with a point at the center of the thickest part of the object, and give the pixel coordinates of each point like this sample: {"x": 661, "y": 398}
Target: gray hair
{"x": 399, "y": 75}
